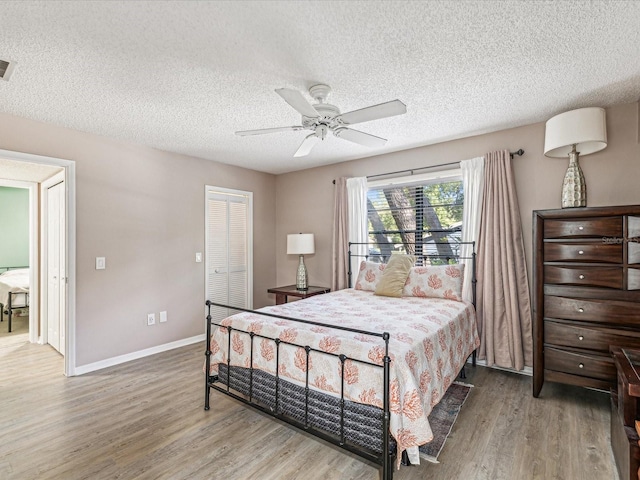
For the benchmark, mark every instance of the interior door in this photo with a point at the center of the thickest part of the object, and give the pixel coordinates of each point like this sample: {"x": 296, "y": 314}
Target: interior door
{"x": 228, "y": 249}
{"x": 56, "y": 275}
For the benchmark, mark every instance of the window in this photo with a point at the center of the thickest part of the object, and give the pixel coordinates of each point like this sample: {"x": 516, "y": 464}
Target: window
{"x": 418, "y": 215}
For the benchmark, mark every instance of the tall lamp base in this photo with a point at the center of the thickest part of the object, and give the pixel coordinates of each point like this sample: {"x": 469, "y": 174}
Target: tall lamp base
{"x": 574, "y": 188}
{"x": 301, "y": 276}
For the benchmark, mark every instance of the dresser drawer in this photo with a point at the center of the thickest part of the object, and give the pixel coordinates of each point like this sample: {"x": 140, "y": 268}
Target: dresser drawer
{"x": 610, "y": 277}
{"x": 579, "y": 363}
{"x": 586, "y": 227}
{"x": 589, "y": 337}
{"x": 583, "y": 252}
{"x": 606, "y": 311}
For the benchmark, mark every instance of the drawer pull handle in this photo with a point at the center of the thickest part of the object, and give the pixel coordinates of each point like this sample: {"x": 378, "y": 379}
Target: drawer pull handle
{"x": 580, "y": 337}
{"x": 581, "y": 365}
{"x": 580, "y": 227}
{"x": 581, "y": 277}
{"x": 581, "y": 310}
{"x": 580, "y": 252}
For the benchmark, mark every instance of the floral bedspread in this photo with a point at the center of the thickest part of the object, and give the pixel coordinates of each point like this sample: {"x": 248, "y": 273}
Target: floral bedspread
{"x": 431, "y": 338}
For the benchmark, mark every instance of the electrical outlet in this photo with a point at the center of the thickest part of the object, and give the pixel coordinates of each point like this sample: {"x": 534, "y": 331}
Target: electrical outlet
{"x": 151, "y": 318}
{"x": 163, "y": 317}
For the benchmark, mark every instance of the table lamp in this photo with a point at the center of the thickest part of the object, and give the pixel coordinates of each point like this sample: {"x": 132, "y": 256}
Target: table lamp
{"x": 582, "y": 131}
{"x": 301, "y": 244}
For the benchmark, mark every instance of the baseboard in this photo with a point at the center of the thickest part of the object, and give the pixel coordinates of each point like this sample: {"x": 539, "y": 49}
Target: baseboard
{"x": 110, "y": 362}
{"x": 525, "y": 371}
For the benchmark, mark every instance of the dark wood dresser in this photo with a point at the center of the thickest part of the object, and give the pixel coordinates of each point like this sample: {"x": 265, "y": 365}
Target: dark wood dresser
{"x": 586, "y": 293}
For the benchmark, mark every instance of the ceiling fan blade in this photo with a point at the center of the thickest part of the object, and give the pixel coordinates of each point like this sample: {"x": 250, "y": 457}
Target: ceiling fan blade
{"x": 244, "y": 133}
{"x": 297, "y": 101}
{"x": 359, "y": 137}
{"x": 306, "y": 146}
{"x": 375, "y": 112}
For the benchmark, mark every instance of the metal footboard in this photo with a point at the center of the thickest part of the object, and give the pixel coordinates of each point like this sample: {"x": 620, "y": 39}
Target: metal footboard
{"x": 310, "y": 411}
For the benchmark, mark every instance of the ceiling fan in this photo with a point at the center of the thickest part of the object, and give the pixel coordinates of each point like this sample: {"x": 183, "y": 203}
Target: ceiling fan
{"x": 323, "y": 117}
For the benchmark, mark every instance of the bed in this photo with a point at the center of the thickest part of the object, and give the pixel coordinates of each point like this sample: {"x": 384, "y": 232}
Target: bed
{"x": 14, "y": 291}
{"x": 360, "y": 370}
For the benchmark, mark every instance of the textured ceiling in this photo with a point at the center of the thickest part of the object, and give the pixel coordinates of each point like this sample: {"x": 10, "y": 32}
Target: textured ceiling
{"x": 183, "y": 76}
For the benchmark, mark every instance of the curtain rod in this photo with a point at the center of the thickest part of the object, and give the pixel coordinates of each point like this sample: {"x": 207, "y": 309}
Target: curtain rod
{"x": 411, "y": 170}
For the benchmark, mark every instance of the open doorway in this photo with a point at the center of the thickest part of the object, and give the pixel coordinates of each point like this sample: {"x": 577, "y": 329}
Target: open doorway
{"x": 51, "y": 285}
{"x": 16, "y": 240}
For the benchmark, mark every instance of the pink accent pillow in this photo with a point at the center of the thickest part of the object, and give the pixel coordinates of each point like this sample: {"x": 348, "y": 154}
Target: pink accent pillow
{"x": 435, "y": 281}
{"x": 369, "y": 275}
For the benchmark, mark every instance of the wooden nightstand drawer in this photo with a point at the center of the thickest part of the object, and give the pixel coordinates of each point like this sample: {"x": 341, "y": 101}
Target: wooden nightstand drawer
{"x": 584, "y": 227}
{"x": 605, "y": 311}
{"x": 580, "y": 363}
{"x": 577, "y": 335}
{"x": 583, "y": 252}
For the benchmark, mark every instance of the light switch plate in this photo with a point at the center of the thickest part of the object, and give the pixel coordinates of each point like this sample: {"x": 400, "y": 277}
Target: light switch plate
{"x": 101, "y": 263}
{"x": 198, "y": 257}
{"x": 163, "y": 316}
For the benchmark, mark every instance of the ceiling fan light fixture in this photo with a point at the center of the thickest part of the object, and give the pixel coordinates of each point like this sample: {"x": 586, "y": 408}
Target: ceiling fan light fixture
{"x": 324, "y": 117}
{"x": 321, "y": 132}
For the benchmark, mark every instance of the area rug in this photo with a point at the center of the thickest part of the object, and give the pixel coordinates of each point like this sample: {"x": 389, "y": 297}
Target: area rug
{"x": 442, "y": 418}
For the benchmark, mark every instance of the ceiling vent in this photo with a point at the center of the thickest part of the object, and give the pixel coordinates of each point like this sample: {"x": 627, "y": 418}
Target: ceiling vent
{"x": 6, "y": 69}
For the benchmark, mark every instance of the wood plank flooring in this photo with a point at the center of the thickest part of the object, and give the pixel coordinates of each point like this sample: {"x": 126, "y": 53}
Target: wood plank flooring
{"x": 145, "y": 420}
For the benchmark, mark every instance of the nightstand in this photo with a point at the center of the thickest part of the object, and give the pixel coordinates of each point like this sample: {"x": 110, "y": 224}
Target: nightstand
{"x": 291, "y": 291}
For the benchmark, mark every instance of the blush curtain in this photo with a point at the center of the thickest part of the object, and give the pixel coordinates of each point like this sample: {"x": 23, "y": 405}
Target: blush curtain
{"x": 504, "y": 309}
{"x": 349, "y": 225}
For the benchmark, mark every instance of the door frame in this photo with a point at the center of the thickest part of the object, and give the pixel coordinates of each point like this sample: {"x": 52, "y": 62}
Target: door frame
{"x": 69, "y": 167}
{"x": 249, "y": 195}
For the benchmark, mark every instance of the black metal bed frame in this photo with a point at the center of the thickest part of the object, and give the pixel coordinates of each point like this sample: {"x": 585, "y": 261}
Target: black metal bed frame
{"x": 10, "y": 307}
{"x": 387, "y": 458}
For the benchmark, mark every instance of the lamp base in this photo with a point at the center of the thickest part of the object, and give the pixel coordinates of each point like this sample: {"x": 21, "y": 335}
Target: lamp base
{"x": 574, "y": 188}
{"x": 301, "y": 276}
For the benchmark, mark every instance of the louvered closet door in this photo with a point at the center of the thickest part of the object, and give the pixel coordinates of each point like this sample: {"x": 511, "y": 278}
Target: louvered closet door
{"x": 228, "y": 255}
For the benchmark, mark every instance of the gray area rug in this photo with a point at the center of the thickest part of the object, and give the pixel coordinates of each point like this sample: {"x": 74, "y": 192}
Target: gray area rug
{"x": 442, "y": 418}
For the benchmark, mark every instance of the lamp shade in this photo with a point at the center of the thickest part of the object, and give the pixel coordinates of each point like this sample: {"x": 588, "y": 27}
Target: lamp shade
{"x": 585, "y": 128}
{"x": 300, "y": 244}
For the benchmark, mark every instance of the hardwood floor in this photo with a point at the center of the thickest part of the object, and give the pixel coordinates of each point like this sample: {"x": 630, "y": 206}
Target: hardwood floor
{"x": 145, "y": 420}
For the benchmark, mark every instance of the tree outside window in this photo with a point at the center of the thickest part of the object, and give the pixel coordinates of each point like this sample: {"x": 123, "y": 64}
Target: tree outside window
{"x": 422, "y": 219}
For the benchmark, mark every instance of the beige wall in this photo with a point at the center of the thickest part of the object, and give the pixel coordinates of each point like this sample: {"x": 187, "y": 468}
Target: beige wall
{"x": 143, "y": 210}
{"x": 304, "y": 200}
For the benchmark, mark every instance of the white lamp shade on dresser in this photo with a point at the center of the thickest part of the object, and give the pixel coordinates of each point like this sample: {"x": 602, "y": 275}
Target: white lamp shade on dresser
{"x": 585, "y": 128}
{"x": 300, "y": 244}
